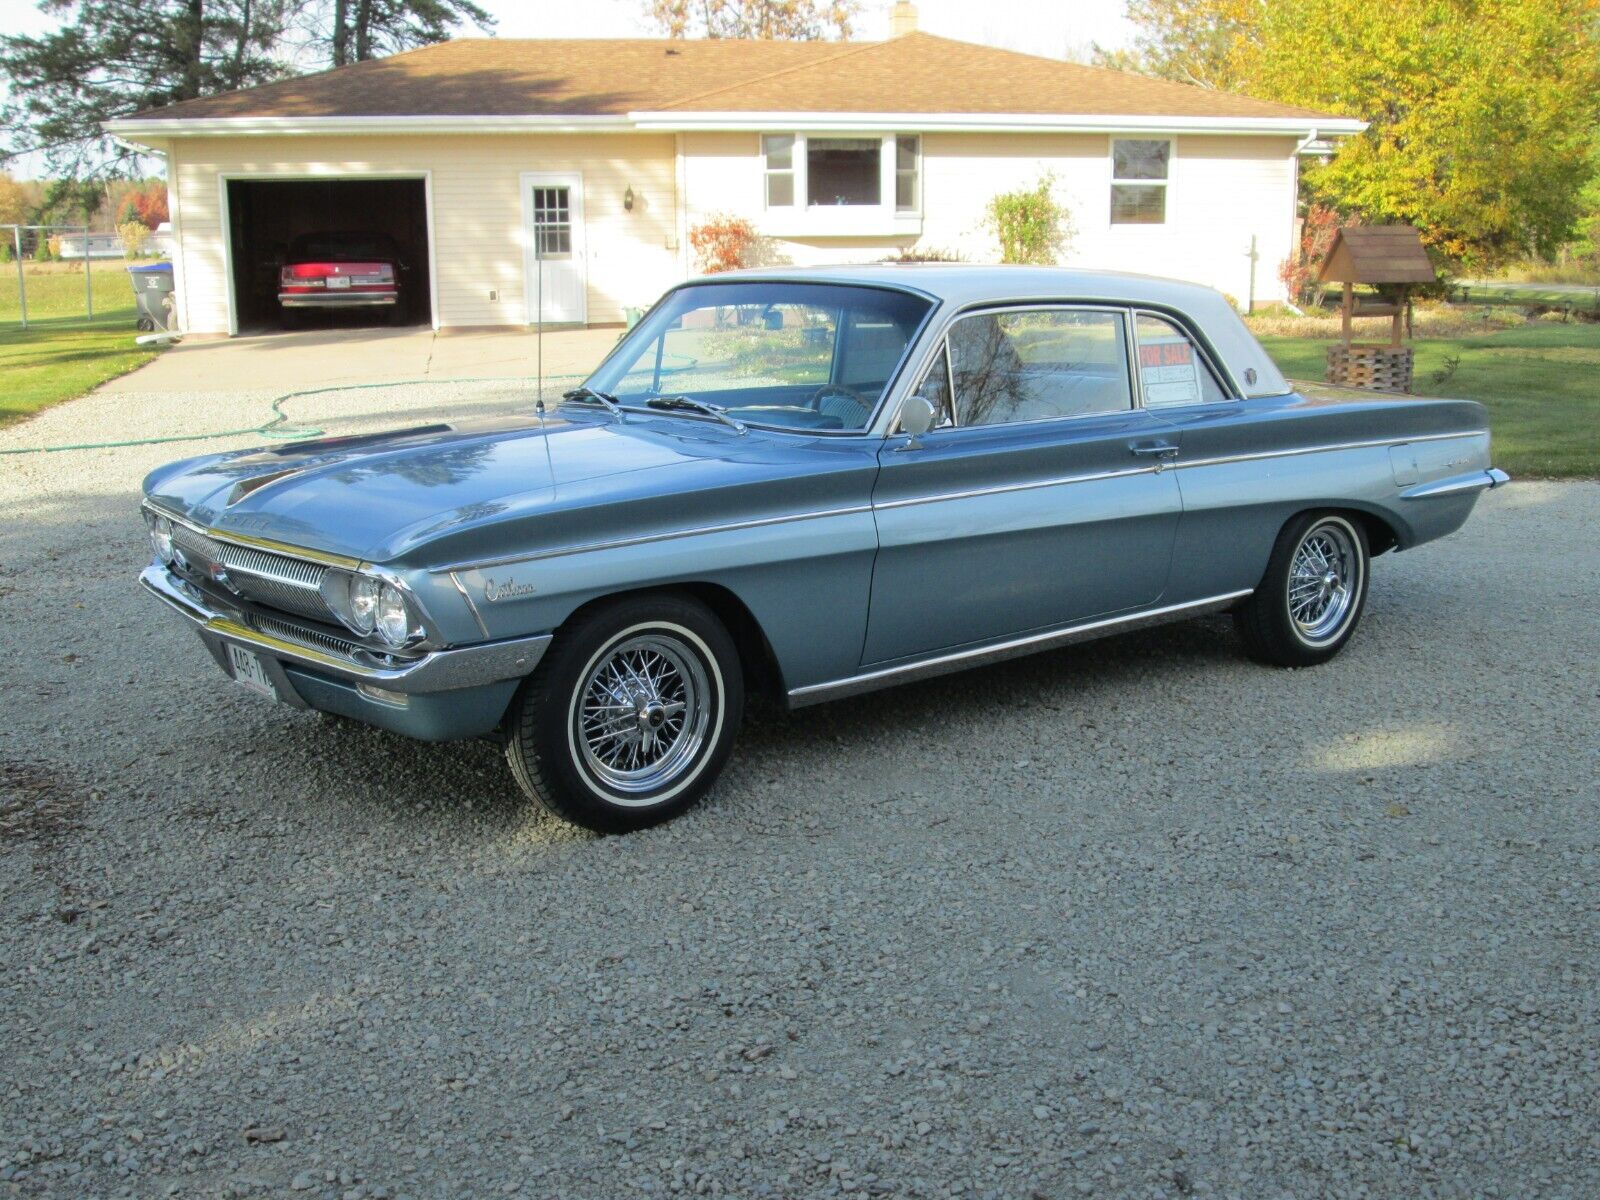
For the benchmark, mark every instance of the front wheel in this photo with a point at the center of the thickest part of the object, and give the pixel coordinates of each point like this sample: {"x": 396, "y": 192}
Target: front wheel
{"x": 631, "y": 715}
{"x": 1312, "y": 596}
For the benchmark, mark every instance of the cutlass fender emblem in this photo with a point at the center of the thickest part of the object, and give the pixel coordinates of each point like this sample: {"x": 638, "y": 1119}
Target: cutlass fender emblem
{"x": 495, "y": 590}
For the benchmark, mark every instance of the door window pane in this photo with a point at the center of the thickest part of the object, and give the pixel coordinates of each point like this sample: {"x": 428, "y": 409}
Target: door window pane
{"x": 552, "y": 221}
{"x": 843, "y": 170}
{"x": 935, "y": 387}
{"x": 1037, "y": 365}
{"x": 1170, "y": 368}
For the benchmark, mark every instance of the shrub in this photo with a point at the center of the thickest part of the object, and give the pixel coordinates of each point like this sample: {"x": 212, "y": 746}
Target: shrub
{"x": 916, "y": 254}
{"x": 135, "y": 235}
{"x": 1298, "y": 272}
{"x": 1032, "y": 225}
{"x": 723, "y": 243}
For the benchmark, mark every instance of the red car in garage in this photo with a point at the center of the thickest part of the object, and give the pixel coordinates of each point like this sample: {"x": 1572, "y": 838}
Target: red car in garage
{"x": 342, "y": 271}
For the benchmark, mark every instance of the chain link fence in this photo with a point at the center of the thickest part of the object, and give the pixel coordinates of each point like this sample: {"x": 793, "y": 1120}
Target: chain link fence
{"x": 63, "y": 274}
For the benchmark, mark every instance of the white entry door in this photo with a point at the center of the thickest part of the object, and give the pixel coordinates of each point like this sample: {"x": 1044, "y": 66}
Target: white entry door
{"x": 552, "y": 217}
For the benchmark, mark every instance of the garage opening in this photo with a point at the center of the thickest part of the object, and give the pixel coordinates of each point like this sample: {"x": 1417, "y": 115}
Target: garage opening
{"x": 273, "y": 224}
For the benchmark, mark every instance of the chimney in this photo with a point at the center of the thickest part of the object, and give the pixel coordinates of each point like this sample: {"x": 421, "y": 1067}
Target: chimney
{"x": 902, "y": 18}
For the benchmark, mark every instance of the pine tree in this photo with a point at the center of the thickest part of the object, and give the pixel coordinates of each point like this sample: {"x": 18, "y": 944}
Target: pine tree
{"x": 111, "y": 58}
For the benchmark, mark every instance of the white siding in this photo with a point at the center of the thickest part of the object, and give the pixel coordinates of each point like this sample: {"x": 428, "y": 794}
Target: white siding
{"x": 477, "y": 213}
{"x": 1223, "y": 189}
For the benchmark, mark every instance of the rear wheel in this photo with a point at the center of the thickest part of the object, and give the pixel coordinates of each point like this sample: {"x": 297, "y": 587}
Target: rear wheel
{"x": 631, "y": 715}
{"x": 1312, "y": 596}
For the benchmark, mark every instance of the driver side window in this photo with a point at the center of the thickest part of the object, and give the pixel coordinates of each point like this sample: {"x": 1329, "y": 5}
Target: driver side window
{"x": 935, "y": 388}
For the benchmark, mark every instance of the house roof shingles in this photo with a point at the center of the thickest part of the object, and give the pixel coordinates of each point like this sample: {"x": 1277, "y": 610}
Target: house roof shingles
{"x": 917, "y": 73}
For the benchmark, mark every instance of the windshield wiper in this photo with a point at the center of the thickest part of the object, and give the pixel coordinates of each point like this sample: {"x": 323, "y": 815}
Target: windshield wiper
{"x": 690, "y": 404}
{"x": 589, "y": 393}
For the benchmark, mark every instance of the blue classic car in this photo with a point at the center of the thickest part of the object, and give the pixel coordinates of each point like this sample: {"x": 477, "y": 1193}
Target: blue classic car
{"x": 807, "y": 484}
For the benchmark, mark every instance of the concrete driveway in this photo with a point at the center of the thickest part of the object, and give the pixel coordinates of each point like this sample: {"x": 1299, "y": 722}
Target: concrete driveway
{"x": 322, "y": 358}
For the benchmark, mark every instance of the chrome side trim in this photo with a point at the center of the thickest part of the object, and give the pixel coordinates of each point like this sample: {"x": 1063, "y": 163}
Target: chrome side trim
{"x": 1455, "y": 485}
{"x": 1299, "y": 450}
{"x": 436, "y": 671}
{"x": 471, "y": 607}
{"x": 1028, "y": 486}
{"x": 248, "y": 542}
{"x": 960, "y": 660}
{"x": 646, "y": 539}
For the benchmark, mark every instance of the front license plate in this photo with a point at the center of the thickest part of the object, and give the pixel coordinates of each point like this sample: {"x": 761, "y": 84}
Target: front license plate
{"x": 247, "y": 669}
{"x": 338, "y": 281}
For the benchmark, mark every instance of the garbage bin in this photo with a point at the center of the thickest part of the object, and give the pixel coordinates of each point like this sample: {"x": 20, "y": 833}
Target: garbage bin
{"x": 152, "y": 289}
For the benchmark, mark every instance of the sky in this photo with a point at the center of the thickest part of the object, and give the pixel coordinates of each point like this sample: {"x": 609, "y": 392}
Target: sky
{"x": 1057, "y": 28}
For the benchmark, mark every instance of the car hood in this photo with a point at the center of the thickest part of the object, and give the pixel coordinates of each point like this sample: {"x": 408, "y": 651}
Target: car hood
{"x": 373, "y": 497}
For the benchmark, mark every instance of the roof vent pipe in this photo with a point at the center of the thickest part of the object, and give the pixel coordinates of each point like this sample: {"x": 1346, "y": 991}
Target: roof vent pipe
{"x": 902, "y": 18}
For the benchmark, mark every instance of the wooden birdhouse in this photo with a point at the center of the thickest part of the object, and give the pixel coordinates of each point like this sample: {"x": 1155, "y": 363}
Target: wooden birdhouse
{"x": 1389, "y": 256}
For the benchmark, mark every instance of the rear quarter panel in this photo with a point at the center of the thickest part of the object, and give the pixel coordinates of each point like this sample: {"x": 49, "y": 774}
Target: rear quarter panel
{"x": 1246, "y": 467}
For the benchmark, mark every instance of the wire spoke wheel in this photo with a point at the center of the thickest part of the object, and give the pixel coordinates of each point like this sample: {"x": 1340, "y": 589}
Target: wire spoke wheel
{"x": 1324, "y": 582}
{"x": 641, "y": 715}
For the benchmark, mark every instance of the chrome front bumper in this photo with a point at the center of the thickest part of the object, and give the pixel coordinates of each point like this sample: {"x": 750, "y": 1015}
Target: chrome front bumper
{"x": 434, "y": 671}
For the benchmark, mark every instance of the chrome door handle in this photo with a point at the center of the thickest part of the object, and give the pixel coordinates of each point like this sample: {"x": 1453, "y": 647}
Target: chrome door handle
{"x": 1154, "y": 449}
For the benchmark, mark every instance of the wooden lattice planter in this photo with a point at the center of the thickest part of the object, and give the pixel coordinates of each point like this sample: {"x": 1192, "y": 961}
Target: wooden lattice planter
{"x": 1374, "y": 368}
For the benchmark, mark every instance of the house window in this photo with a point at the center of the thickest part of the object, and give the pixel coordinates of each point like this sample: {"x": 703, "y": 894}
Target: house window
{"x": 779, "y": 152}
{"x": 1139, "y": 168}
{"x": 844, "y": 170}
{"x": 906, "y": 147}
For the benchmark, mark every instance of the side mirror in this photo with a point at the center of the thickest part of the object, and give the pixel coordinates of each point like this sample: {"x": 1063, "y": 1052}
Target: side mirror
{"x": 917, "y": 415}
{"x": 772, "y": 319}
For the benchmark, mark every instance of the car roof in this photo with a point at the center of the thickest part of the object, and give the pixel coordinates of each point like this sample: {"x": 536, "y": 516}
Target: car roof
{"x": 963, "y": 285}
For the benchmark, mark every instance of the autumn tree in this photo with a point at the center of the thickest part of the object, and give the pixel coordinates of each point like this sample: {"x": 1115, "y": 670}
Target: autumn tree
{"x": 1480, "y": 112}
{"x": 1208, "y": 43}
{"x": 789, "y": 20}
{"x": 13, "y": 202}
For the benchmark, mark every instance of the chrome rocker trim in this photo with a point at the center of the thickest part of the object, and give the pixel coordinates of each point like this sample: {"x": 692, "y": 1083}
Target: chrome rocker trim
{"x": 1455, "y": 485}
{"x": 977, "y": 656}
{"x": 435, "y": 671}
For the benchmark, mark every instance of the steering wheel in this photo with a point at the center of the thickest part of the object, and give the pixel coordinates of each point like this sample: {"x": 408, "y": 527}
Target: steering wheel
{"x": 838, "y": 389}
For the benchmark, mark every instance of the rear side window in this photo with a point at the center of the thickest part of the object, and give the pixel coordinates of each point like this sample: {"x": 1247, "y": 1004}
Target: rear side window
{"x": 1038, "y": 365}
{"x": 1171, "y": 368}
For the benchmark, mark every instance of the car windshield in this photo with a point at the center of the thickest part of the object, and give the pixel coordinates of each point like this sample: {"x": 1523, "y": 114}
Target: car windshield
{"x": 342, "y": 247}
{"x": 794, "y": 355}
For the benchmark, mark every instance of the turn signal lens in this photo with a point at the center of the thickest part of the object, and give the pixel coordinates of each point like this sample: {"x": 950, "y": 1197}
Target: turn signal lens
{"x": 161, "y": 539}
{"x": 364, "y": 602}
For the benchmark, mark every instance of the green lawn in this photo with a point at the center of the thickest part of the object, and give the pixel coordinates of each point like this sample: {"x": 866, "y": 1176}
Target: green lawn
{"x": 1540, "y": 382}
{"x": 61, "y": 354}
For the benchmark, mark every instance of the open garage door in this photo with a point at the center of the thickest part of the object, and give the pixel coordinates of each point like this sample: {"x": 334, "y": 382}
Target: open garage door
{"x": 269, "y": 219}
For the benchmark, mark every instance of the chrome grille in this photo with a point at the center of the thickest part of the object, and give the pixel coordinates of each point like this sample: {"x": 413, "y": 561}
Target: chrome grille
{"x": 301, "y": 636}
{"x": 275, "y": 580}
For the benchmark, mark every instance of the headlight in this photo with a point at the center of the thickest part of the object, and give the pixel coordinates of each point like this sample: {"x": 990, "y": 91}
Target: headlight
{"x": 161, "y": 538}
{"x": 394, "y": 618}
{"x": 364, "y": 603}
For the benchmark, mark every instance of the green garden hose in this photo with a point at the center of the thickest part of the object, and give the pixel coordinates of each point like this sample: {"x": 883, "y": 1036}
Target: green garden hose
{"x": 277, "y": 428}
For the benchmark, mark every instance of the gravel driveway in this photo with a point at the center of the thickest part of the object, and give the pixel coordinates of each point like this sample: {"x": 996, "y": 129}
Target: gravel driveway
{"x": 1137, "y": 918}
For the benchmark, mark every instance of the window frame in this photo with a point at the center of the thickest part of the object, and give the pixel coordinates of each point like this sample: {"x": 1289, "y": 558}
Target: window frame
{"x": 1129, "y": 350}
{"x": 1165, "y": 185}
{"x": 795, "y": 173}
{"x": 889, "y": 173}
{"x": 893, "y": 152}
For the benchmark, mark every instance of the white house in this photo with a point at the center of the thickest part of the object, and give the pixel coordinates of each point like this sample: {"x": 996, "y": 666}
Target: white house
{"x": 614, "y": 150}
